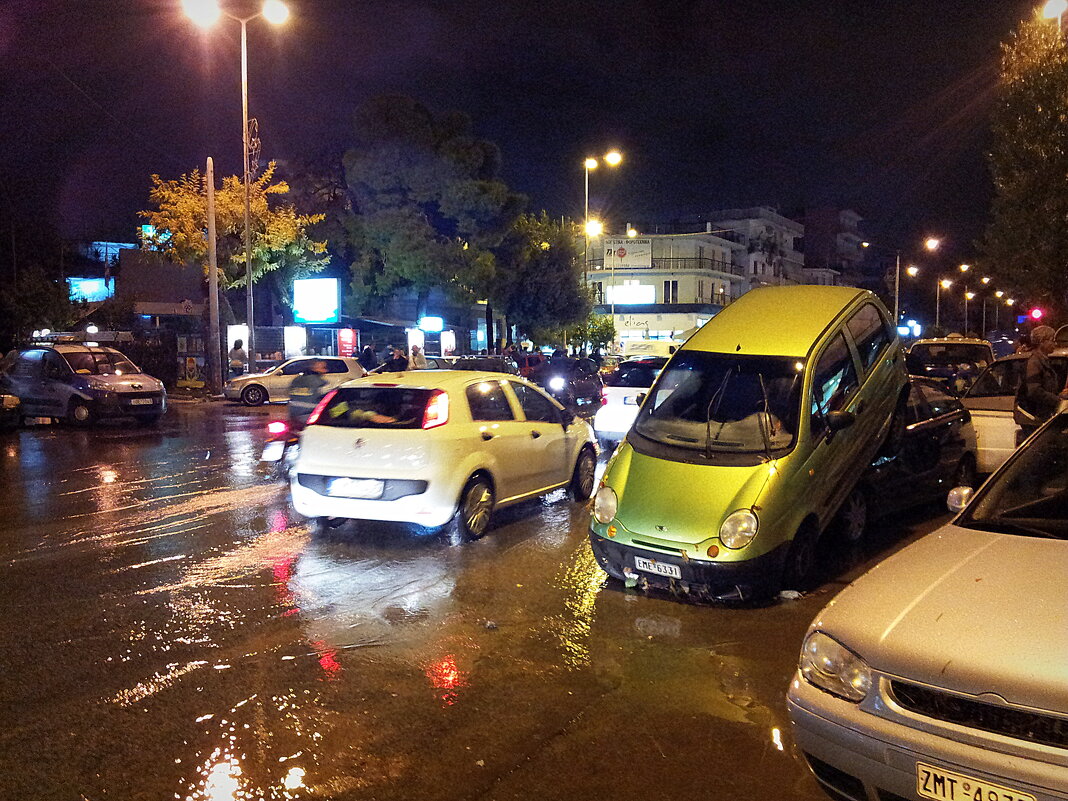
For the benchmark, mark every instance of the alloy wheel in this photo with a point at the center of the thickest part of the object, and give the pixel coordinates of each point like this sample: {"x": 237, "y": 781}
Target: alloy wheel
{"x": 477, "y": 507}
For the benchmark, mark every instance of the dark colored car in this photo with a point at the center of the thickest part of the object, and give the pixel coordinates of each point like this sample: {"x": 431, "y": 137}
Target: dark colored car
{"x": 937, "y": 454}
{"x": 954, "y": 361}
{"x": 576, "y": 383}
{"x": 529, "y": 362}
{"x": 491, "y": 364}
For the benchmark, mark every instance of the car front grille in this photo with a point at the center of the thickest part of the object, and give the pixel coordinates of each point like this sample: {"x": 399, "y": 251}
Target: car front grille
{"x": 1032, "y": 727}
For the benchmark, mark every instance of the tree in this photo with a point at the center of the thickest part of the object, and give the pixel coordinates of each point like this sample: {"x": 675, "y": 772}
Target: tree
{"x": 281, "y": 244}
{"x": 538, "y": 284}
{"x": 33, "y": 302}
{"x": 1026, "y": 242}
{"x": 426, "y": 205}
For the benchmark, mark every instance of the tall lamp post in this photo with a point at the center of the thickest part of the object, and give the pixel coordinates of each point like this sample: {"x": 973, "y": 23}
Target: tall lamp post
{"x": 943, "y": 283}
{"x": 613, "y": 158}
{"x": 206, "y": 13}
{"x": 997, "y": 309}
{"x": 931, "y": 243}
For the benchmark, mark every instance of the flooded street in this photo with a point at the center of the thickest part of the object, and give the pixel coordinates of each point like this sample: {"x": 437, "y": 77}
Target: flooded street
{"x": 172, "y": 630}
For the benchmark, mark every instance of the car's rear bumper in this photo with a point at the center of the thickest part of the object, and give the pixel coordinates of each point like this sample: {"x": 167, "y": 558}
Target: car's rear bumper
{"x": 433, "y": 506}
{"x": 860, "y": 755}
{"x": 752, "y": 578}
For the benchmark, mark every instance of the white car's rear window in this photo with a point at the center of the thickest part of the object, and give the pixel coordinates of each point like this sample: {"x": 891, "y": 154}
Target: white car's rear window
{"x": 376, "y": 407}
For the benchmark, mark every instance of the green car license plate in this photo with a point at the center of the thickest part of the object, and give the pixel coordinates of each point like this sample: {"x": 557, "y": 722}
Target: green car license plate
{"x": 660, "y": 568}
{"x": 946, "y": 785}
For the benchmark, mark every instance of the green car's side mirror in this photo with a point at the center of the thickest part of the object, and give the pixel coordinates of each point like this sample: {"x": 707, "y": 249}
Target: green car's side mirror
{"x": 836, "y": 421}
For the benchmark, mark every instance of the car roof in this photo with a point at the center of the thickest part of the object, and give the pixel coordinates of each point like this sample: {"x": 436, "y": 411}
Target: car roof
{"x": 1058, "y": 352}
{"x": 949, "y": 341}
{"x": 79, "y": 348}
{"x": 775, "y": 320}
{"x": 434, "y": 379}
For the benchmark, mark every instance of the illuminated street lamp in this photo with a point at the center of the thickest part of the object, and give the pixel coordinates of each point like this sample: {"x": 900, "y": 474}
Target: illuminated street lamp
{"x": 206, "y": 13}
{"x": 967, "y": 296}
{"x": 1055, "y": 9}
{"x": 912, "y": 271}
{"x": 594, "y": 228}
{"x": 945, "y": 283}
{"x": 932, "y": 242}
{"x": 613, "y": 158}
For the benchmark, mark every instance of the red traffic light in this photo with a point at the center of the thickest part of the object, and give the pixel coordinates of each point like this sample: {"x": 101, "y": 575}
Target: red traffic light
{"x": 1036, "y": 314}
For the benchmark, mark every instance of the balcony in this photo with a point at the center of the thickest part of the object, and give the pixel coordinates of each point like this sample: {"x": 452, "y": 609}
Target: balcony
{"x": 674, "y": 264}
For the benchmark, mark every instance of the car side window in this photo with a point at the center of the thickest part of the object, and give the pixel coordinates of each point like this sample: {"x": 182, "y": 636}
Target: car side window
{"x": 335, "y": 366}
{"x": 29, "y": 364}
{"x": 940, "y": 402}
{"x": 488, "y": 402}
{"x": 1000, "y": 379}
{"x": 835, "y": 378}
{"x": 870, "y": 333}
{"x": 296, "y": 367}
{"x": 54, "y": 366}
{"x": 916, "y": 408}
{"x": 536, "y": 406}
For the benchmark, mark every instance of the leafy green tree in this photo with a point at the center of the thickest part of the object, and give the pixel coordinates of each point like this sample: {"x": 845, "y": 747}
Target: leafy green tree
{"x": 1026, "y": 242}
{"x": 33, "y": 302}
{"x": 538, "y": 283}
{"x": 426, "y": 207}
{"x": 281, "y": 244}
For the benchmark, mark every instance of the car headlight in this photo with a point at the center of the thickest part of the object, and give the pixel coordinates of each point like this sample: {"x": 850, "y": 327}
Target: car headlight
{"x": 557, "y": 383}
{"x": 605, "y": 505}
{"x": 738, "y": 529}
{"x": 832, "y": 667}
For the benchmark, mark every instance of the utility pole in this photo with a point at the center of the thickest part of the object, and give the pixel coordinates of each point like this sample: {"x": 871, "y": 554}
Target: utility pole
{"x": 214, "y": 353}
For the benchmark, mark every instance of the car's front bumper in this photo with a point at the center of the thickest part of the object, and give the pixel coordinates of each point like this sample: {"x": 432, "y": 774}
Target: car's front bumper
{"x": 748, "y": 579}
{"x": 860, "y": 755}
{"x": 232, "y": 392}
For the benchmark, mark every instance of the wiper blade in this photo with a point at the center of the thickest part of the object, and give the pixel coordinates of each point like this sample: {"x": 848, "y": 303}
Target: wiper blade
{"x": 765, "y": 419}
{"x": 715, "y": 399}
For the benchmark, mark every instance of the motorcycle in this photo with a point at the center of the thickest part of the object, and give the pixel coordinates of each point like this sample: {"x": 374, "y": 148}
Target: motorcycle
{"x": 281, "y": 448}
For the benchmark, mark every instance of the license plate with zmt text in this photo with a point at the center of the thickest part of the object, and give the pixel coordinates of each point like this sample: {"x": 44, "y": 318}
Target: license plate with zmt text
{"x": 660, "y": 568}
{"x": 945, "y": 785}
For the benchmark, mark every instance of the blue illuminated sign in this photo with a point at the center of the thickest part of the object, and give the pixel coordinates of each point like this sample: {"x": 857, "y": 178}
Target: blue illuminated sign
{"x": 315, "y": 300}
{"x": 431, "y": 325}
{"x": 90, "y": 290}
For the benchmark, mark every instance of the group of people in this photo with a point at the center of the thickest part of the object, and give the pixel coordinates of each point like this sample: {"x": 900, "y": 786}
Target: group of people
{"x": 396, "y": 362}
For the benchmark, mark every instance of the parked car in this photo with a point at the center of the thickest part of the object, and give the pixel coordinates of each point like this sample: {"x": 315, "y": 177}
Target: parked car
{"x": 941, "y": 672}
{"x": 82, "y": 383}
{"x": 575, "y": 383}
{"x": 622, "y": 389}
{"x": 990, "y": 401}
{"x": 937, "y": 454}
{"x": 273, "y": 386}
{"x": 438, "y": 448}
{"x": 749, "y": 442}
{"x": 649, "y": 347}
{"x": 440, "y": 362}
{"x": 490, "y": 364}
{"x": 10, "y": 412}
{"x": 529, "y": 362}
{"x": 955, "y": 361}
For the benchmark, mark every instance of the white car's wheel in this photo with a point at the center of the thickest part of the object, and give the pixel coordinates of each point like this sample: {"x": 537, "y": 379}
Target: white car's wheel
{"x": 585, "y": 475}
{"x": 476, "y": 507}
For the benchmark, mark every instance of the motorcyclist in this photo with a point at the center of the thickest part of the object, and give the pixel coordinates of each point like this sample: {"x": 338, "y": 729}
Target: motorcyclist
{"x": 555, "y": 376}
{"x": 305, "y": 393}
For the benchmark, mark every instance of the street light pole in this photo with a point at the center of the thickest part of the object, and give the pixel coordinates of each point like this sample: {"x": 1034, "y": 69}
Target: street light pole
{"x": 897, "y": 289}
{"x": 250, "y": 315}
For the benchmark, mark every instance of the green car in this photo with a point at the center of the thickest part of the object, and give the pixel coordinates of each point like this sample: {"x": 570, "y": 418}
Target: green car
{"x": 750, "y": 442}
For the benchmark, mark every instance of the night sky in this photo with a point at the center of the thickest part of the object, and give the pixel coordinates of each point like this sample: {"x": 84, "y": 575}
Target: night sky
{"x": 882, "y": 107}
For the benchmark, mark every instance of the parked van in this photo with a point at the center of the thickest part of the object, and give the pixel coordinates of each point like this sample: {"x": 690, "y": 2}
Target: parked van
{"x": 750, "y": 442}
{"x": 649, "y": 347}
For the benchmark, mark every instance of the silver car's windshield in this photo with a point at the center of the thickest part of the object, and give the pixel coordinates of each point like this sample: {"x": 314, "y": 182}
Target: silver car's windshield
{"x": 718, "y": 402}
{"x": 99, "y": 363}
{"x": 1030, "y": 496}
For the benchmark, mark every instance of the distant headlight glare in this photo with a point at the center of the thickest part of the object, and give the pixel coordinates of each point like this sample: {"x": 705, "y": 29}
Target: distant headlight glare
{"x": 605, "y": 505}
{"x": 738, "y": 529}
{"x": 832, "y": 667}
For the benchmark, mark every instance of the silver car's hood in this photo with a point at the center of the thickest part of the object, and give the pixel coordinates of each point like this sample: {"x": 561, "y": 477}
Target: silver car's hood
{"x": 241, "y": 379}
{"x": 129, "y": 382}
{"x": 967, "y": 610}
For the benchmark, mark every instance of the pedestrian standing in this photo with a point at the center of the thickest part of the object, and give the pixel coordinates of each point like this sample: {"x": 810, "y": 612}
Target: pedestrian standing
{"x": 418, "y": 360}
{"x": 1040, "y": 393}
{"x": 368, "y": 361}
{"x": 238, "y": 358}
{"x": 397, "y": 363}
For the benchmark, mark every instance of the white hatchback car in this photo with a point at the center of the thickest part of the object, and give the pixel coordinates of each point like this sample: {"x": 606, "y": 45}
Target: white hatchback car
{"x": 434, "y": 447}
{"x": 941, "y": 673}
{"x": 256, "y": 389}
{"x": 622, "y": 387}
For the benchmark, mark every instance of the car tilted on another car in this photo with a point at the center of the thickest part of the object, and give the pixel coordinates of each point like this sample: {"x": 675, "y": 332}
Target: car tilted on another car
{"x": 255, "y": 389}
{"x": 750, "y": 441}
{"x": 941, "y": 673}
{"x": 437, "y": 448}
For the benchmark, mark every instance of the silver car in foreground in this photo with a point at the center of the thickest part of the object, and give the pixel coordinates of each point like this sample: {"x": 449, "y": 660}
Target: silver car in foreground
{"x": 942, "y": 673}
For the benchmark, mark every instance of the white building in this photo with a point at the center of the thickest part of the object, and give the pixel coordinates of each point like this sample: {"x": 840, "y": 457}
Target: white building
{"x": 772, "y": 244}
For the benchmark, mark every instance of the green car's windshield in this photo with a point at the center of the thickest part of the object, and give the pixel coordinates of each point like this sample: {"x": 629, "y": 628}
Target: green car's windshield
{"x": 717, "y": 402}
{"x": 1030, "y": 496}
{"x": 99, "y": 363}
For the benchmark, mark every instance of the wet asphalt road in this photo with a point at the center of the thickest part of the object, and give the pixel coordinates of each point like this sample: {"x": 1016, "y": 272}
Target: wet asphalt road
{"x": 171, "y": 630}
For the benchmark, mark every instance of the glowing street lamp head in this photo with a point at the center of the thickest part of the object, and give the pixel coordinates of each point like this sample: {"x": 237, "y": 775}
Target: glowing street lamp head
{"x": 965, "y": 267}
{"x": 969, "y": 295}
{"x": 868, "y": 244}
{"x": 933, "y": 242}
{"x": 613, "y": 158}
{"x": 1010, "y": 301}
{"x": 594, "y": 227}
{"x": 986, "y": 278}
{"x": 945, "y": 283}
{"x": 590, "y": 164}
{"x": 912, "y": 270}
{"x": 1054, "y": 9}
{"x": 275, "y": 11}
{"x": 631, "y": 232}
{"x": 204, "y": 13}
{"x": 999, "y": 294}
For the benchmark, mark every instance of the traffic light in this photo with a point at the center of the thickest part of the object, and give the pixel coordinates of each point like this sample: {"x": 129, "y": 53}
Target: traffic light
{"x": 1036, "y": 314}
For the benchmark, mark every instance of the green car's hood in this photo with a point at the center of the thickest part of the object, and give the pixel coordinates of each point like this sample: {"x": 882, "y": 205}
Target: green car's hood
{"x": 679, "y": 502}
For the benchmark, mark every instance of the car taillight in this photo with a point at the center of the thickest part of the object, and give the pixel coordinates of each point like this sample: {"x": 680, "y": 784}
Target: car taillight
{"x": 277, "y": 427}
{"x": 437, "y": 410}
{"x": 604, "y": 396}
{"x": 313, "y": 418}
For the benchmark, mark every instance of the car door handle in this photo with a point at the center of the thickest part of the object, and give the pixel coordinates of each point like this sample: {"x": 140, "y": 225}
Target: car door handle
{"x": 486, "y": 435}
{"x": 535, "y": 434}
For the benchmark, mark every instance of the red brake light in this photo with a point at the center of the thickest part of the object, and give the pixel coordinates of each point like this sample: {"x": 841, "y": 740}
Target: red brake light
{"x": 277, "y": 427}
{"x": 313, "y": 418}
{"x": 604, "y": 396}
{"x": 437, "y": 410}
